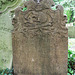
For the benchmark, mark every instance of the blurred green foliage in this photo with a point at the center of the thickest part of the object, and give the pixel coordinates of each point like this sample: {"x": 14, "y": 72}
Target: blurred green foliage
{"x": 25, "y": 8}
{"x": 71, "y": 62}
{"x": 69, "y": 8}
{"x": 6, "y": 72}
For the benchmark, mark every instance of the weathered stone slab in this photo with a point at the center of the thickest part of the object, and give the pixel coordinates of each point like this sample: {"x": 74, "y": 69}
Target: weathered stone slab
{"x": 5, "y": 31}
{"x": 5, "y": 41}
{"x": 40, "y": 40}
{"x": 9, "y": 5}
{"x": 71, "y": 31}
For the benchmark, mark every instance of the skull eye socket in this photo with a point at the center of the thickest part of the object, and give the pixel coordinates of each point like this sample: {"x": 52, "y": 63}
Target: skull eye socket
{"x": 33, "y": 17}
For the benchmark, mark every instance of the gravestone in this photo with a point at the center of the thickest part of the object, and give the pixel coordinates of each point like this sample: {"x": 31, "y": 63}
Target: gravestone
{"x": 5, "y": 31}
{"x": 40, "y": 39}
{"x": 9, "y": 5}
{"x": 5, "y": 41}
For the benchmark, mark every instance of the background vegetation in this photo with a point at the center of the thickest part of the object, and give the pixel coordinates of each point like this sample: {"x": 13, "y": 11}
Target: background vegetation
{"x": 69, "y": 10}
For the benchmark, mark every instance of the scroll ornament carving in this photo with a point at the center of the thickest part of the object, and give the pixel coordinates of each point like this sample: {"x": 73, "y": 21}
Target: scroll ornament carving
{"x": 9, "y": 5}
{"x": 39, "y": 18}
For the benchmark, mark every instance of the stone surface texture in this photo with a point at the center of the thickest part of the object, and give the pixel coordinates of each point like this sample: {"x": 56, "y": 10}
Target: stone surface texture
{"x": 5, "y": 31}
{"x": 71, "y": 31}
{"x": 40, "y": 39}
{"x": 5, "y": 41}
{"x": 9, "y": 5}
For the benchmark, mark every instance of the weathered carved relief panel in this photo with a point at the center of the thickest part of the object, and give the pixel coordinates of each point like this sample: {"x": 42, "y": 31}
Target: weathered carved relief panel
{"x": 40, "y": 39}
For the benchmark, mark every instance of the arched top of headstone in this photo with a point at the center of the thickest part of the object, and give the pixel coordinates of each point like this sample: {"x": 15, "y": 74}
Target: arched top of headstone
{"x": 40, "y": 14}
{"x": 38, "y": 5}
